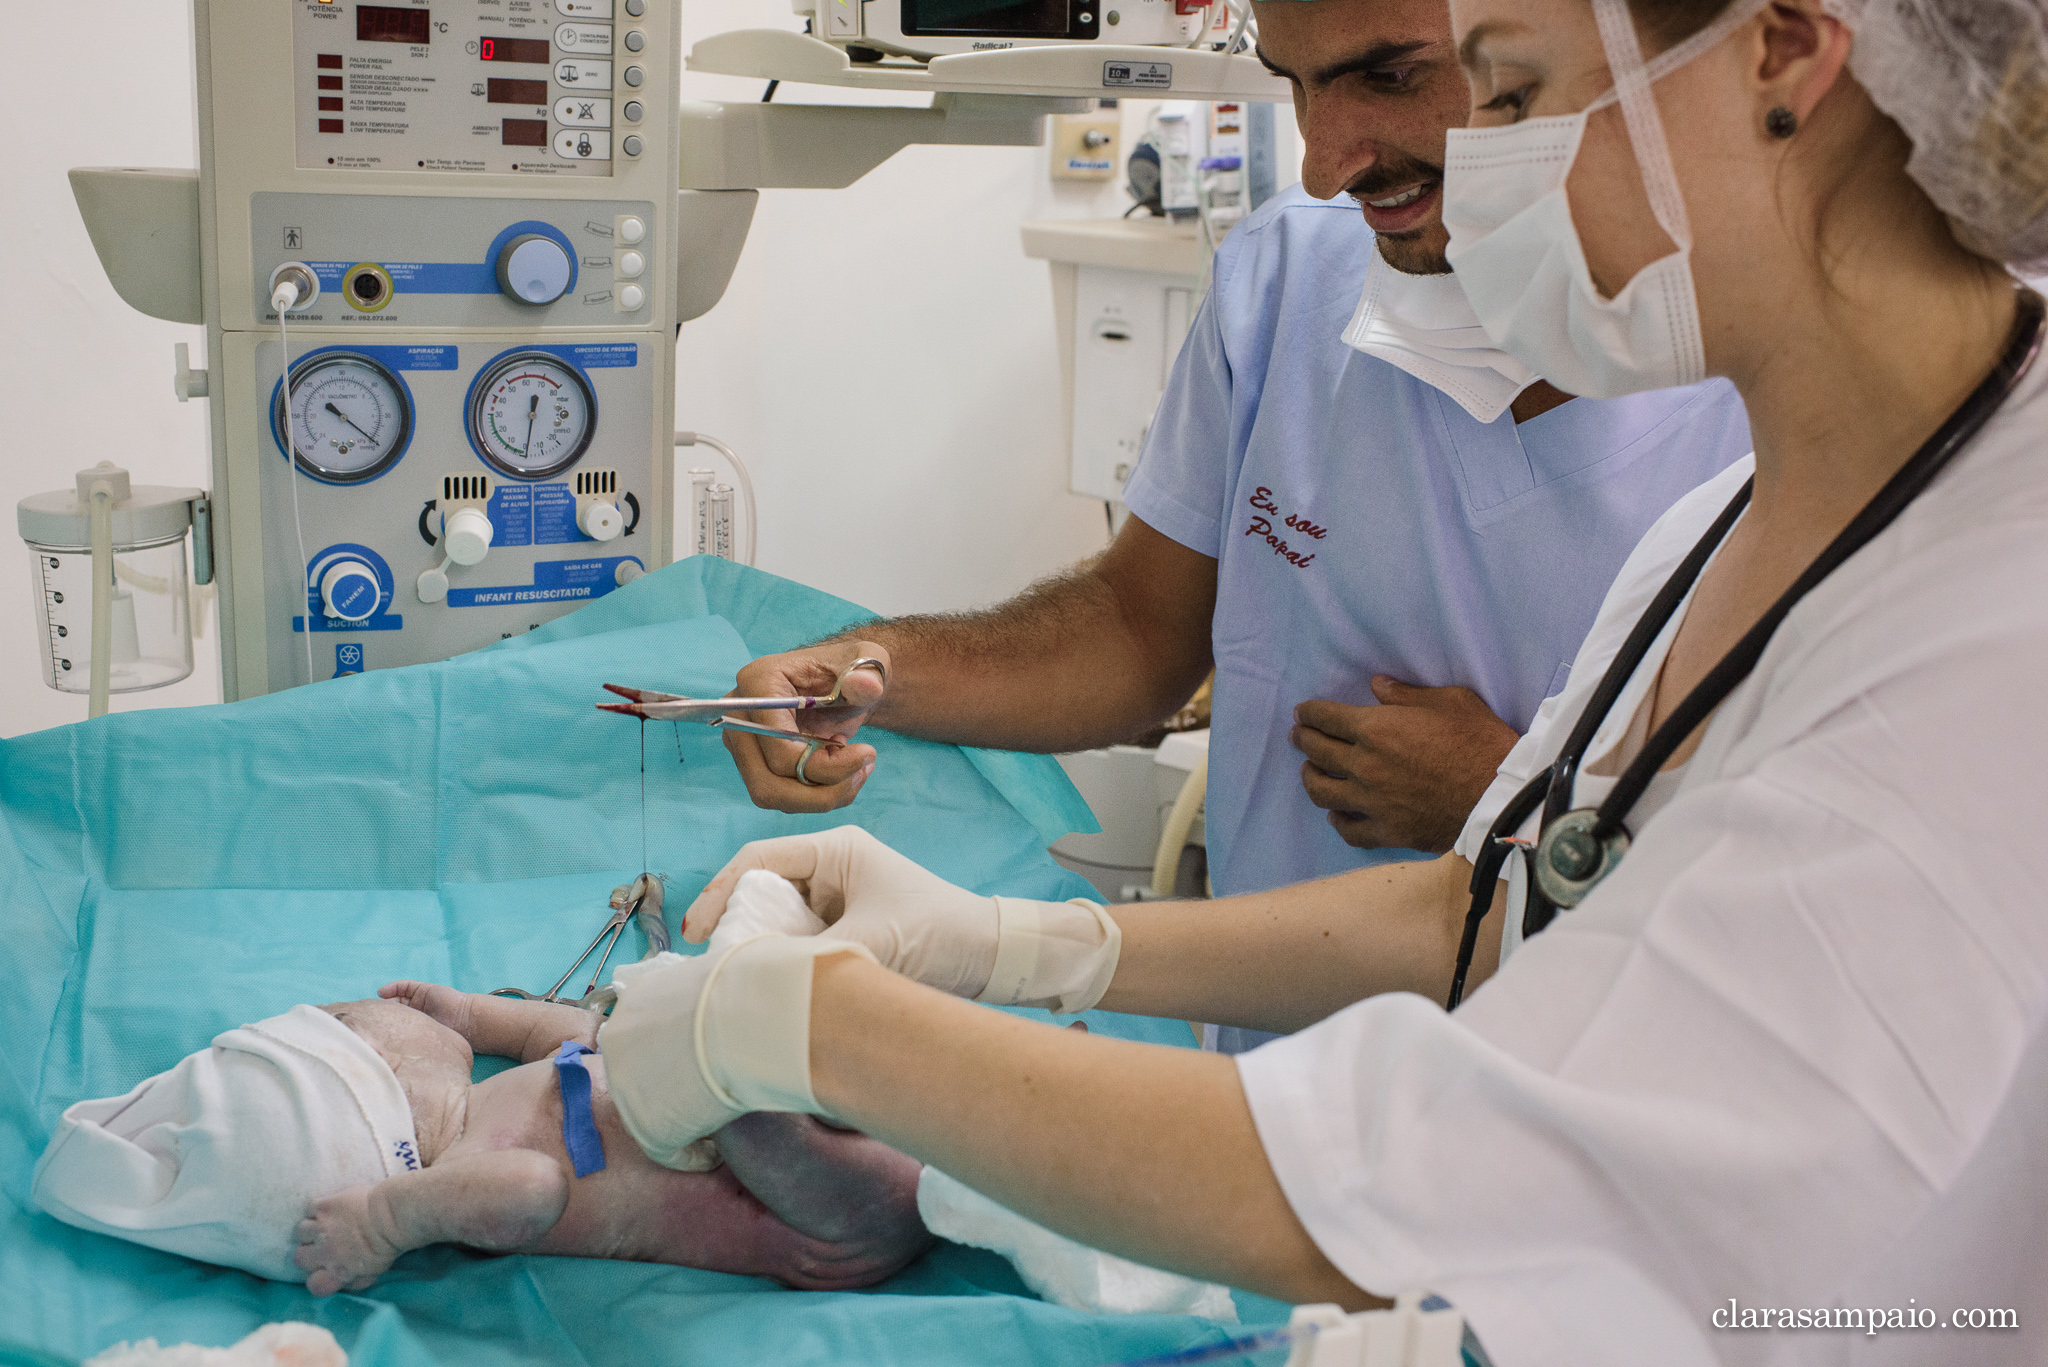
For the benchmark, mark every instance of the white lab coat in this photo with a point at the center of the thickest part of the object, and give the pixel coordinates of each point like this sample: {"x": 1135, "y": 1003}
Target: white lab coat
{"x": 1792, "y": 1052}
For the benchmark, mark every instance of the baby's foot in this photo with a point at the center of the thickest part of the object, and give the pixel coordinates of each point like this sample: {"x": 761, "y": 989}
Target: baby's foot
{"x": 340, "y": 1245}
{"x": 831, "y": 1184}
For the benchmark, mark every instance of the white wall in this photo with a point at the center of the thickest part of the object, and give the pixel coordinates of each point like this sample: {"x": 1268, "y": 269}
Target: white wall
{"x": 883, "y": 360}
{"x": 87, "y": 378}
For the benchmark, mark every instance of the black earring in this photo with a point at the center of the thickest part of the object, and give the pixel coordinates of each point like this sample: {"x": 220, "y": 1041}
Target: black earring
{"x": 1781, "y": 122}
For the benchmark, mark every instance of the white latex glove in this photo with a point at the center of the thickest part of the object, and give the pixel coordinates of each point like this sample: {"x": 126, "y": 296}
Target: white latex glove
{"x": 696, "y": 1042}
{"x": 1009, "y": 951}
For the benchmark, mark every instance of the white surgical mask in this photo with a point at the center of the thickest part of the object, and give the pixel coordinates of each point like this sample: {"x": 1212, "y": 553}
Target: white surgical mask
{"x": 1517, "y": 253}
{"x": 1424, "y": 325}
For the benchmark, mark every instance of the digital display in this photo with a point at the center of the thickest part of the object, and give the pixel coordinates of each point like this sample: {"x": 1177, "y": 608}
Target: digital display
{"x": 525, "y": 133}
{"x": 986, "y": 18}
{"x": 390, "y": 24}
{"x": 516, "y": 92}
{"x": 514, "y": 50}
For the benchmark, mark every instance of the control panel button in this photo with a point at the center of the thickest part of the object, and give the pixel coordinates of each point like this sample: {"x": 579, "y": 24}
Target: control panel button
{"x": 635, "y": 40}
{"x": 584, "y": 39}
{"x": 633, "y": 111}
{"x": 584, "y": 9}
{"x": 534, "y": 269}
{"x": 348, "y": 590}
{"x": 634, "y": 76}
{"x": 631, "y": 297}
{"x": 578, "y": 112}
{"x": 631, "y": 144}
{"x": 467, "y": 537}
{"x": 577, "y": 74}
{"x": 632, "y": 231}
{"x": 631, "y": 264}
{"x": 636, "y": 8}
{"x": 583, "y": 144}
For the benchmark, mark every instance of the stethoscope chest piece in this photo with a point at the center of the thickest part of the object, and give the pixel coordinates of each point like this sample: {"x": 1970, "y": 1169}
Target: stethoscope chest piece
{"x": 1572, "y": 856}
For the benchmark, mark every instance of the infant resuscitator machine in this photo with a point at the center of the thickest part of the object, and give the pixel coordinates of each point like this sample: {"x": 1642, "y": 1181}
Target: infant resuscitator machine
{"x": 441, "y": 249}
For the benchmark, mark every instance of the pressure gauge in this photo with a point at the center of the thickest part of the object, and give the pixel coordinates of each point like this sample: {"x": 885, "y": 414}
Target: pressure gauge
{"x": 532, "y": 415}
{"x": 345, "y": 417}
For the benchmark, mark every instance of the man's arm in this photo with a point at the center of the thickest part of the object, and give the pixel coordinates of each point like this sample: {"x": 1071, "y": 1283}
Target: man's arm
{"x": 1089, "y": 657}
{"x": 1285, "y": 959}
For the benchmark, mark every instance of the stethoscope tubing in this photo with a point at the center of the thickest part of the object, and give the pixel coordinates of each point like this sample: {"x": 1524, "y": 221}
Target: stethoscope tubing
{"x": 1556, "y": 783}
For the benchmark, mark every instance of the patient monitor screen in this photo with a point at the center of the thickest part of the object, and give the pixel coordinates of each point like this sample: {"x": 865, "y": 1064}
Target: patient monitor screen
{"x": 455, "y": 85}
{"x": 992, "y": 18}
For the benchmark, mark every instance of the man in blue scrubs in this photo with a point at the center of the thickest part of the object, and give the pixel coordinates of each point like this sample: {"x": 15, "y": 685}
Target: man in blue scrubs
{"x": 1387, "y": 537}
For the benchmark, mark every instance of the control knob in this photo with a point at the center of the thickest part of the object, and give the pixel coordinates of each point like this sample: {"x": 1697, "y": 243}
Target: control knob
{"x": 533, "y": 269}
{"x": 466, "y": 535}
{"x": 600, "y": 520}
{"x": 349, "y": 591}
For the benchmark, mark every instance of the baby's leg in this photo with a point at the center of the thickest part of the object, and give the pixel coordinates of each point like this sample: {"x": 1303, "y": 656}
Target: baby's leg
{"x": 506, "y": 1027}
{"x": 831, "y": 1184}
{"x": 501, "y": 1199}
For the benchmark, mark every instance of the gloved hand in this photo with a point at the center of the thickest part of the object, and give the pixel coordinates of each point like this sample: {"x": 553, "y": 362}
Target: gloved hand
{"x": 836, "y": 772}
{"x": 696, "y": 1042}
{"x": 1008, "y": 951}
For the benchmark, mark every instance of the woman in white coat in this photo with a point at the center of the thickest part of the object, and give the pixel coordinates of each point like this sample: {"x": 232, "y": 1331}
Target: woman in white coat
{"x": 1788, "y": 1048}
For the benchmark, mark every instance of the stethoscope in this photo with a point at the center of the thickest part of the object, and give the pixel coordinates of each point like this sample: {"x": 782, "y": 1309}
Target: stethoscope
{"x": 1578, "y": 847}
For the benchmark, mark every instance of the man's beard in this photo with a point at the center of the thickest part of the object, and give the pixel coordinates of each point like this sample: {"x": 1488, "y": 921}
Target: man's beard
{"x": 1413, "y": 252}
{"x": 1412, "y": 256}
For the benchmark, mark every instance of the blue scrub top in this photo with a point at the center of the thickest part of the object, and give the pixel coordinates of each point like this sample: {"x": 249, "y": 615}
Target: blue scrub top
{"x": 1364, "y": 523}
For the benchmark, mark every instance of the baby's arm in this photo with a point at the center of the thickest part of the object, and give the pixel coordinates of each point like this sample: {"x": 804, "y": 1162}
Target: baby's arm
{"x": 507, "y": 1027}
{"x": 501, "y": 1200}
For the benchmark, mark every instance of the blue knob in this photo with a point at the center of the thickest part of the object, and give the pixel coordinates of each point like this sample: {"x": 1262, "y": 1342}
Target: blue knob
{"x": 533, "y": 269}
{"x": 349, "y": 590}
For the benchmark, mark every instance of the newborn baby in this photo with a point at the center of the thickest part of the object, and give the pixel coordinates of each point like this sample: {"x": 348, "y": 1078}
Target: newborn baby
{"x": 326, "y": 1142}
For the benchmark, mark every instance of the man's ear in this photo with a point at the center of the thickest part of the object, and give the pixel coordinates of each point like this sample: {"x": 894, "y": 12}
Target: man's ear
{"x": 1803, "y": 51}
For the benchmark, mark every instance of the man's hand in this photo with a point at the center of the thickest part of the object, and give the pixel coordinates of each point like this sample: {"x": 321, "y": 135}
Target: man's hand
{"x": 838, "y": 769}
{"x": 1405, "y": 774}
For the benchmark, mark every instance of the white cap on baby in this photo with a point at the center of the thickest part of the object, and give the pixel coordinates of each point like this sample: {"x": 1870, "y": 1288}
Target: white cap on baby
{"x": 221, "y": 1157}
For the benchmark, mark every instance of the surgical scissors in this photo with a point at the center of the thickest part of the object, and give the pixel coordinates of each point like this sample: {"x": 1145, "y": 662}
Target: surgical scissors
{"x": 640, "y": 899}
{"x": 650, "y": 705}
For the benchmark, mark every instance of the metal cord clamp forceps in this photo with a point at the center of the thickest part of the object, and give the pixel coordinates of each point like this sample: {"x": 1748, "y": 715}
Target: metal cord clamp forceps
{"x": 650, "y": 705}
{"x": 639, "y": 900}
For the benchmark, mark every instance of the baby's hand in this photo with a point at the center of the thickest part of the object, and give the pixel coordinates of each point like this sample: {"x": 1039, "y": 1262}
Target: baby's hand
{"x": 444, "y": 1004}
{"x": 340, "y": 1244}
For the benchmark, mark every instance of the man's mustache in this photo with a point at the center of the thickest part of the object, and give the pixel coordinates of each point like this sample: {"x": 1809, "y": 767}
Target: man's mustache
{"x": 1380, "y": 179}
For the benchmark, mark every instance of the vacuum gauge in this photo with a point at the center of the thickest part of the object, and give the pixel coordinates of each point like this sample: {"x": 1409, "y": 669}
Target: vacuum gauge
{"x": 346, "y": 418}
{"x": 532, "y": 415}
